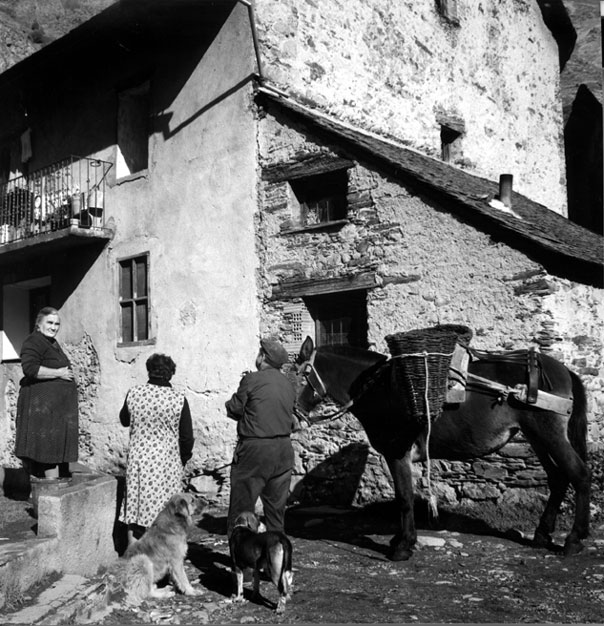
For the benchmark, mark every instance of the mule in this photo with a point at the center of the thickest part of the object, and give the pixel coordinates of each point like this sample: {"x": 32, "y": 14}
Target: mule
{"x": 361, "y": 382}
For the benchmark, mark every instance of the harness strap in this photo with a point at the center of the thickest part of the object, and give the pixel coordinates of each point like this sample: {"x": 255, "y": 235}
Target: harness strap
{"x": 543, "y": 399}
{"x": 478, "y": 382}
{"x": 533, "y": 377}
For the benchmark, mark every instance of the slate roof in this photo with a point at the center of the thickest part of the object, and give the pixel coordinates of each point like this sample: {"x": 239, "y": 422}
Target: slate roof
{"x": 561, "y": 246}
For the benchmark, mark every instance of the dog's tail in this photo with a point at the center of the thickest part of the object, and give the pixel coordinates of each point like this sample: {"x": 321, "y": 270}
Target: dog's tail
{"x": 281, "y": 567}
{"x": 129, "y": 580}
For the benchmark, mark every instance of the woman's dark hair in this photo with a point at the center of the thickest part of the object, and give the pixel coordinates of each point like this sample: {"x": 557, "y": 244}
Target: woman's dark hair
{"x": 160, "y": 366}
{"x": 42, "y": 313}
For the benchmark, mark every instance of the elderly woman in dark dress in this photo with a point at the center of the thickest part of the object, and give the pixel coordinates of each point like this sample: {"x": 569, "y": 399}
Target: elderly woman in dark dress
{"x": 161, "y": 443}
{"x": 47, "y": 407}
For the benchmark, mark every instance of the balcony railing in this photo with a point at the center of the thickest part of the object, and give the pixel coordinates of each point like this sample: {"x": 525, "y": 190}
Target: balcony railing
{"x": 68, "y": 193}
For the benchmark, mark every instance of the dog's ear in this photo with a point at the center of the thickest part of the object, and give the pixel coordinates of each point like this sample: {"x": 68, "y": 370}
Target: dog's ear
{"x": 251, "y": 520}
{"x": 180, "y": 506}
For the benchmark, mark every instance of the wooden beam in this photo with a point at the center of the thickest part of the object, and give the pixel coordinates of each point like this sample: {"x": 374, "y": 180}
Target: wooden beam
{"x": 313, "y": 287}
{"x": 305, "y": 166}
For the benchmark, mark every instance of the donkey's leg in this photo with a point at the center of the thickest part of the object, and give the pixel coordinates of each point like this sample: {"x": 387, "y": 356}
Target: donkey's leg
{"x": 558, "y": 485}
{"x": 402, "y": 543}
{"x": 554, "y": 441}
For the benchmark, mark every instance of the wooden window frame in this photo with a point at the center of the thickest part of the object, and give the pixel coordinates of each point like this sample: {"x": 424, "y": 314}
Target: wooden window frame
{"x": 345, "y": 309}
{"x": 134, "y": 300}
{"x": 322, "y": 195}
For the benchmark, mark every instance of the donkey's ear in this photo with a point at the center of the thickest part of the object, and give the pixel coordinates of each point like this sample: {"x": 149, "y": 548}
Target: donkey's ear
{"x": 306, "y": 349}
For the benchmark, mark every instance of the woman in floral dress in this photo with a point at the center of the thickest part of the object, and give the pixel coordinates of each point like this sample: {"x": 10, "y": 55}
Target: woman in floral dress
{"x": 161, "y": 443}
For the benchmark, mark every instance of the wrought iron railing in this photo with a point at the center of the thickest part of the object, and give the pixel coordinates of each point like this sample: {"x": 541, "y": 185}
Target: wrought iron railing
{"x": 68, "y": 193}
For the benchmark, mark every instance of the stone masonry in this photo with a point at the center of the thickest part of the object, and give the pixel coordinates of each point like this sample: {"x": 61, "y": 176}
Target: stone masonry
{"x": 430, "y": 267}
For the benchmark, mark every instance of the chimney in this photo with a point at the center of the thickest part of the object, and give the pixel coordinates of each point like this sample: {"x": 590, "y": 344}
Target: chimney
{"x": 505, "y": 189}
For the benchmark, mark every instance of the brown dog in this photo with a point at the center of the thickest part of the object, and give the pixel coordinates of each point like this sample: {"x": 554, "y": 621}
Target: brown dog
{"x": 158, "y": 553}
{"x": 268, "y": 551}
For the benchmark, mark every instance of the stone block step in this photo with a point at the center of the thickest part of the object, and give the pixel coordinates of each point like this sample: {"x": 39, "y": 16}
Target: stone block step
{"x": 72, "y": 599}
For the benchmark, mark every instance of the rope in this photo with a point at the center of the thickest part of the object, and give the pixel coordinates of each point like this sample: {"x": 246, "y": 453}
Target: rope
{"x": 431, "y": 497}
{"x": 432, "y": 500}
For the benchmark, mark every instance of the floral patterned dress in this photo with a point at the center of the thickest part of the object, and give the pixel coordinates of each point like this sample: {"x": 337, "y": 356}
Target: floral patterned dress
{"x": 154, "y": 471}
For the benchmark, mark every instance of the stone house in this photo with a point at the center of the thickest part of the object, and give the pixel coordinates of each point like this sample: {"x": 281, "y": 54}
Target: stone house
{"x": 421, "y": 243}
{"x": 362, "y": 204}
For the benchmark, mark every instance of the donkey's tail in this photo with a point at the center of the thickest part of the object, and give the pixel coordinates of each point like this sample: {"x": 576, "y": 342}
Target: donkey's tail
{"x": 577, "y": 426}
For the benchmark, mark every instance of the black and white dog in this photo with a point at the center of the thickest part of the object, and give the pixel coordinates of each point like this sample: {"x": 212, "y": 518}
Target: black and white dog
{"x": 269, "y": 551}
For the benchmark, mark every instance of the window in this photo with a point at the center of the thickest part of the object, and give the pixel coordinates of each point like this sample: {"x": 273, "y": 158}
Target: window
{"x": 448, "y": 9}
{"x": 134, "y": 299}
{"x": 340, "y": 318}
{"x": 321, "y": 198}
{"x": 132, "y": 131}
{"x": 450, "y": 143}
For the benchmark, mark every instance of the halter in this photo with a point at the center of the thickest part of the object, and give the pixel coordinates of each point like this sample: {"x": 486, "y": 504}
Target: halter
{"x": 309, "y": 371}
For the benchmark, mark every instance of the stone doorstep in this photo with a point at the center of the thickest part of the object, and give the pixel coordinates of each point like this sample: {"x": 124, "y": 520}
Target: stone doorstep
{"x": 24, "y": 563}
{"x": 73, "y": 599}
{"x": 27, "y": 562}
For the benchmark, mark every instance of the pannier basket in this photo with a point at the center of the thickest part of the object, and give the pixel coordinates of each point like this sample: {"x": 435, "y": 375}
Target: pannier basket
{"x": 412, "y": 352}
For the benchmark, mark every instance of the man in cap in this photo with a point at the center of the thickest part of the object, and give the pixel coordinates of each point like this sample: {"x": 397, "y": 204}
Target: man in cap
{"x": 264, "y": 457}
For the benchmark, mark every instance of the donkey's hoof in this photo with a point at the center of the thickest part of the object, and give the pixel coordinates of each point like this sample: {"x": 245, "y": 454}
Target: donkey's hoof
{"x": 572, "y": 547}
{"x": 400, "y": 554}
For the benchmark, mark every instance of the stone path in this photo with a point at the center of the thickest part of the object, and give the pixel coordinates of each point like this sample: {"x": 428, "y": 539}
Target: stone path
{"x": 342, "y": 576}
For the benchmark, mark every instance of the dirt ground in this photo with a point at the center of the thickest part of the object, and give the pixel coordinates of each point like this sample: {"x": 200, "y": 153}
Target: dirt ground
{"x": 463, "y": 571}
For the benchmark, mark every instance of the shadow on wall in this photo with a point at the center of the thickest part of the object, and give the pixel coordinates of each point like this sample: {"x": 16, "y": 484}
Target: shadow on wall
{"x": 336, "y": 480}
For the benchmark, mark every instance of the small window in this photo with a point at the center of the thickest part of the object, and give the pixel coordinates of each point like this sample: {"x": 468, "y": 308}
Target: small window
{"x": 132, "y": 131}
{"x": 321, "y": 198}
{"x": 340, "y": 318}
{"x": 450, "y": 142}
{"x": 134, "y": 299}
{"x": 448, "y": 9}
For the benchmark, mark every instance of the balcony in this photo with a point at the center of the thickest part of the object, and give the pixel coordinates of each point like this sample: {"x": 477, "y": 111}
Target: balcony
{"x": 57, "y": 207}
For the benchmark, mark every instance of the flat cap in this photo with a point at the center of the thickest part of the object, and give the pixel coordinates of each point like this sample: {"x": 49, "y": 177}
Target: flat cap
{"x": 276, "y": 354}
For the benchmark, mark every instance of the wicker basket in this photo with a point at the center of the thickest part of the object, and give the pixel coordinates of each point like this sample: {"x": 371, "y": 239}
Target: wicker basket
{"x": 412, "y": 349}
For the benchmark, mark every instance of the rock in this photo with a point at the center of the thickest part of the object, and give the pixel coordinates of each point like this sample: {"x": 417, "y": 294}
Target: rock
{"x": 425, "y": 541}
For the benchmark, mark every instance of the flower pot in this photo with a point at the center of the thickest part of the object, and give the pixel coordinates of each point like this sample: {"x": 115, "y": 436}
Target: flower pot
{"x": 85, "y": 220}
{"x": 76, "y": 203}
{"x": 96, "y": 201}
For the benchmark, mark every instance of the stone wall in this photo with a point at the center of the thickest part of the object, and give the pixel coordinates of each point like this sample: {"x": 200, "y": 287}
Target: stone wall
{"x": 400, "y": 69}
{"x": 429, "y": 267}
